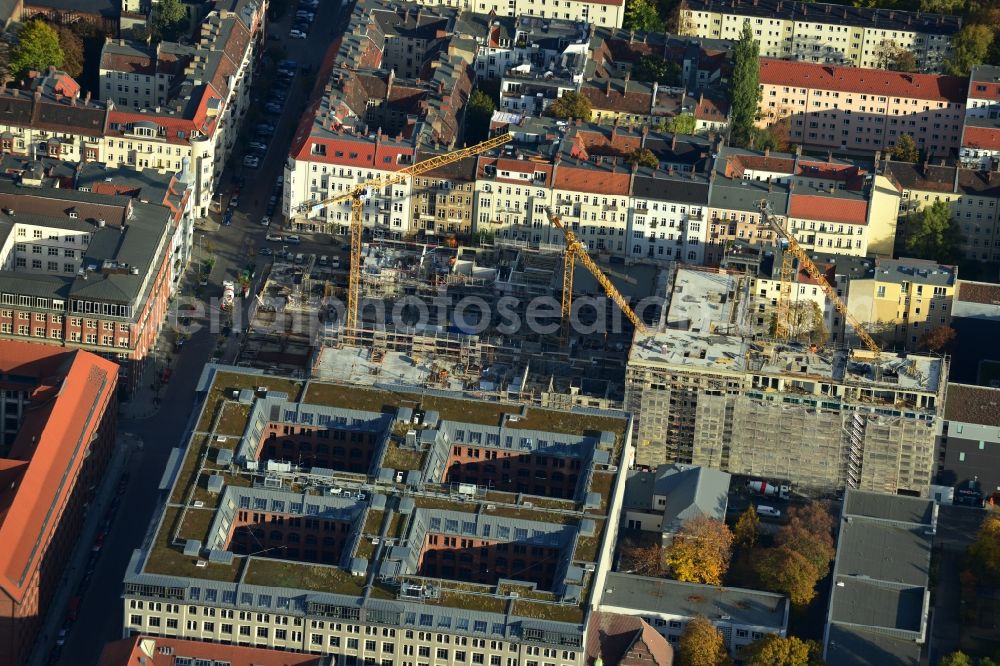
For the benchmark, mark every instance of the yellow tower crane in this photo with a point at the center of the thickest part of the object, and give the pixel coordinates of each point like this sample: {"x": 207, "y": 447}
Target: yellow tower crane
{"x": 794, "y": 249}
{"x": 360, "y": 193}
{"x": 576, "y": 250}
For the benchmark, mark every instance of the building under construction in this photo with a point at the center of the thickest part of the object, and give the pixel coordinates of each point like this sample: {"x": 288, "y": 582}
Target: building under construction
{"x": 409, "y": 333}
{"x": 703, "y": 393}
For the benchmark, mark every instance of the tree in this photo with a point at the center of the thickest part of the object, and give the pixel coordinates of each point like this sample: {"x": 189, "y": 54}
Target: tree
{"x": 683, "y": 123}
{"x": 653, "y": 68}
{"x": 72, "y": 47}
{"x": 744, "y": 87}
{"x": 773, "y": 650}
{"x": 985, "y": 551}
{"x": 478, "y": 113}
{"x": 905, "y": 149}
{"x": 784, "y": 570}
{"x": 37, "y": 49}
{"x": 937, "y": 339}
{"x": 811, "y": 546}
{"x": 700, "y": 551}
{"x": 942, "y": 6}
{"x": 903, "y": 60}
{"x": 570, "y": 106}
{"x": 643, "y": 157}
{"x": 170, "y": 19}
{"x": 641, "y": 15}
{"x": 774, "y": 137}
{"x": 747, "y": 529}
{"x": 955, "y": 659}
{"x": 931, "y": 234}
{"x": 969, "y": 48}
{"x": 701, "y": 644}
{"x": 644, "y": 560}
{"x": 815, "y": 518}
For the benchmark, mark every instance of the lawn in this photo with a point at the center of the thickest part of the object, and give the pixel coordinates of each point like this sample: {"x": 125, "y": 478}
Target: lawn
{"x": 551, "y": 612}
{"x": 196, "y": 525}
{"x": 301, "y": 576}
{"x": 402, "y": 459}
{"x": 351, "y": 397}
{"x": 587, "y": 547}
{"x": 226, "y": 382}
{"x": 233, "y": 421}
{"x": 169, "y": 560}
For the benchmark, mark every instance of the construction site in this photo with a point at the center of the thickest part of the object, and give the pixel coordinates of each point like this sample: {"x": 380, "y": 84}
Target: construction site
{"x": 705, "y": 393}
{"x": 485, "y": 321}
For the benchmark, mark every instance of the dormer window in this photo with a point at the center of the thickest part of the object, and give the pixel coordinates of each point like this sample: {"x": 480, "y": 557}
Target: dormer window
{"x": 73, "y": 214}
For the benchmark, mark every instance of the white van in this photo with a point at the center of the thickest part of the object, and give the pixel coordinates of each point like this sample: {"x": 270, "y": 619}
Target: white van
{"x": 768, "y": 511}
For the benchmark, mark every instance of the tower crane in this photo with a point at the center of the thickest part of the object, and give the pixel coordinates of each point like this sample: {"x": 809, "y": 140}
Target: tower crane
{"x": 577, "y": 250}
{"x": 794, "y": 249}
{"x": 360, "y": 193}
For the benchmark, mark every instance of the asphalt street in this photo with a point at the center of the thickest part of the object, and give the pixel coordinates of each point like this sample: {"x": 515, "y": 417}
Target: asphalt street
{"x": 100, "y": 614}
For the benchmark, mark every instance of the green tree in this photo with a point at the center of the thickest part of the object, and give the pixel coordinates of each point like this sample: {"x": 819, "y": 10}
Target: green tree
{"x": 170, "y": 19}
{"x": 571, "y": 105}
{"x": 701, "y": 644}
{"x": 902, "y": 60}
{"x": 37, "y": 49}
{"x": 653, "y": 68}
{"x": 744, "y": 87}
{"x": 969, "y": 48}
{"x": 643, "y": 157}
{"x": 931, "y": 233}
{"x": 773, "y": 650}
{"x": 72, "y": 48}
{"x": 682, "y": 123}
{"x": 942, "y": 6}
{"x": 478, "y": 114}
{"x": 700, "y": 551}
{"x": 905, "y": 149}
{"x": 955, "y": 659}
{"x": 784, "y": 570}
{"x": 747, "y": 529}
{"x": 641, "y": 15}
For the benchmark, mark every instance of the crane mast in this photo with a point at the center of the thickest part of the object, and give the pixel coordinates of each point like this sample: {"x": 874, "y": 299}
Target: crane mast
{"x": 360, "y": 192}
{"x": 769, "y": 218}
{"x": 576, "y": 250}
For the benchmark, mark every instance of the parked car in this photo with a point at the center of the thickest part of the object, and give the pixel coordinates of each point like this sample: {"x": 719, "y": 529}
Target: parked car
{"x": 335, "y": 263}
{"x": 297, "y": 34}
{"x": 274, "y": 238}
{"x": 265, "y": 126}
{"x": 300, "y": 258}
{"x": 251, "y": 161}
{"x": 266, "y": 221}
{"x": 271, "y": 107}
{"x": 61, "y": 639}
{"x": 323, "y": 260}
{"x": 768, "y": 511}
{"x": 257, "y": 145}
{"x": 265, "y": 252}
{"x": 293, "y": 239}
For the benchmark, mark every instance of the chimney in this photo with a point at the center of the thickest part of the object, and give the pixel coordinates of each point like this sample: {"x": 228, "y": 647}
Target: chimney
{"x": 607, "y": 92}
{"x": 878, "y": 160}
{"x": 72, "y": 100}
{"x": 767, "y": 152}
{"x": 673, "y": 142}
{"x": 829, "y": 157}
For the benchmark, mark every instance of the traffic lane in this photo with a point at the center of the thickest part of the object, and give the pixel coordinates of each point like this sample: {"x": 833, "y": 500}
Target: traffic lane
{"x": 101, "y": 613}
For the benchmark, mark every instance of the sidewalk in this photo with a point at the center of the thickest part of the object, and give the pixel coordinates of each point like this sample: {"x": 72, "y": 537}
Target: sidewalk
{"x": 77, "y": 563}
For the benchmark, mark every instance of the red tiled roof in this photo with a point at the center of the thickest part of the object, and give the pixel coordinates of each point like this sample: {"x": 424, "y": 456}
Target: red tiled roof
{"x": 611, "y": 636}
{"x": 984, "y": 138}
{"x": 53, "y": 439}
{"x": 828, "y": 209}
{"x": 592, "y": 180}
{"x": 985, "y": 293}
{"x": 991, "y": 90}
{"x": 853, "y": 79}
{"x": 146, "y": 650}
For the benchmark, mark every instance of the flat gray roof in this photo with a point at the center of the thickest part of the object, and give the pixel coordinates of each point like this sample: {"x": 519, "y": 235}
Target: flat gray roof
{"x": 636, "y": 595}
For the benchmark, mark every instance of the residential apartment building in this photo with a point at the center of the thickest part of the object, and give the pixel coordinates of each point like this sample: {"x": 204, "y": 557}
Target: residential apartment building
{"x": 176, "y": 102}
{"x": 604, "y": 13}
{"x": 60, "y": 410}
{"x": 825, "y": 33}
{"x": 705, "y": 395}
{"x": 901, "y": 300}
{"x": 443, "y": 200}
{"x": 975, "y": 316}
{"x": 392, "y": 574}
{"x": 667, "y": 216}
{"x": 742, "y": 616}
{"x": 972, "y": 193}
{"x": 829, "y": 206}
{"x": 968, "y": 445}
{"x": 881, "y": 596}
{"x": 981, "y": 131}
{"x": 849, "y": 108}
{"x": 369, "y": 124}
{"x": 513, "y": 196}
{"x": 86, "y": 270}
